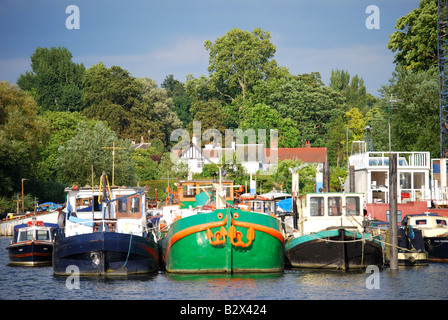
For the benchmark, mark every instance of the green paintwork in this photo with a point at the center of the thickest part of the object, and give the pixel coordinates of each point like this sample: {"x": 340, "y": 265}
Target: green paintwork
{"x": 194, "y": 253}
{"x": 193, "y": 204}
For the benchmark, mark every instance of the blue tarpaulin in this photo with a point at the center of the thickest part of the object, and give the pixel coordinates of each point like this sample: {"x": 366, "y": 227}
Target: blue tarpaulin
{"x": 285, "y": 205}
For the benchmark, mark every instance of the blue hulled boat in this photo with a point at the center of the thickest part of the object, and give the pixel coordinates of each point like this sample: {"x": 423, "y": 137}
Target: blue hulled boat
{"x": 104, "y": 231}
{"x": 32, "y": 244}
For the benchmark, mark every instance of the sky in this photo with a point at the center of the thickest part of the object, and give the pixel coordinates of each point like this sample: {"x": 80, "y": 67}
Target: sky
{"x": 157, "y": 38}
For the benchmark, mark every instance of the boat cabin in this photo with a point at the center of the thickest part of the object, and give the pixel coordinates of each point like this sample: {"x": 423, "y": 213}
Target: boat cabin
{"x": 431, "y": 224}
{"x": 85, "y": 212}
{"x": 318, "y": 211}
{"x": 33, "y": 230}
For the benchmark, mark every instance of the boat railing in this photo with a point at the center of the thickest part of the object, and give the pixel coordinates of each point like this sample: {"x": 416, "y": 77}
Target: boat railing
{"x": 110, "y": 224}
{"x": 381, "y": 159}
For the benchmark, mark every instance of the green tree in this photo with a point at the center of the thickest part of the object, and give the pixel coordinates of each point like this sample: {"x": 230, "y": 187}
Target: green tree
{"x": 210, "y": 114}
{"x": 310, "y": 107}
{"x": 62, "y": 127}
{"x": 263, "y": 117}
{"x": 283, "y": 177}
{"x": 146, "y": 164}
{"x": 353, "y": 89}
{"x": 415, "y": 122}
{"x": 336, "y": 141}
{"x": 85, "y": 149}
{"x": 155, "y": 112}
{"x": 355, "y": 123}
{"x": 415, "y": 41}
{"x": 182, "y": 102}
{"x": 109, "y": 95}
{"x": 55, "y": 80}
{"x": 22, "y": 133}
{"x": 230, "y": 171}
{"x": 238, "y": 60}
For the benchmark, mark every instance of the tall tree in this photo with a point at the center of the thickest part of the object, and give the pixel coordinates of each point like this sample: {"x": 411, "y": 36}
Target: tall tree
{"x": 239, "y": 59}
{"x": 85, "y": 150}
{"x": 55, "y": 80}
{"x": 22, "y": 133}
{"x": 415, "y": 122}
{"x": 62, "y": 127}
{"x": 337, "y": 141}
{"x": 310, "y": 107}
{"x": 182, "y": 102}
{"x": 415, "y": 41}
{"x": 109, "y": 95}
{"x": 353, "y": 89}
{"x": 263, "y": 117}
{"x": 155, "y": 112}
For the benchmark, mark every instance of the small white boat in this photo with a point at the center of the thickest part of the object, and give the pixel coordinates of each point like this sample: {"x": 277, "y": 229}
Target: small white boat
{"x": 434, "y": 230}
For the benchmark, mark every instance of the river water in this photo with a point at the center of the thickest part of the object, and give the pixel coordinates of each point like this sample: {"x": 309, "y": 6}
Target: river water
{"x": 38, "y": 283}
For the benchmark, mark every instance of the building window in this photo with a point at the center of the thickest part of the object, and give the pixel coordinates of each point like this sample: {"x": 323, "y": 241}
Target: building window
{"x": 405, "y": 180}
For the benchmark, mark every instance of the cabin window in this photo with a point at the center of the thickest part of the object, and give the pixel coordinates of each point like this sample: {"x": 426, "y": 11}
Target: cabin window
{"x": 352, "y": 206}
{"x": 135, "y": 205}
{"x": 187, "y": 192}
{"x": 334, "y": 206}
{"x": 122, "y": 205}
{"x": 440, "y": 221}
{"x": 85, "y": 204}
{"x": 421, "y": 221}
{"x": 128, "y": 207}
{"x": 316, "y": 206}
{"x": 42, "y": 235}
{"x": 26, "y": 235}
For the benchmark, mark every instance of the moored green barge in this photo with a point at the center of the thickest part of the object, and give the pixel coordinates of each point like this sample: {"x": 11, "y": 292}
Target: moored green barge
{"x": 223, "y": 241}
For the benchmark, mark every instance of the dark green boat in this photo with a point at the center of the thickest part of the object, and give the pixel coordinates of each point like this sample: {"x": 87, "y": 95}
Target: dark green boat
{"x": 224, "y": 241}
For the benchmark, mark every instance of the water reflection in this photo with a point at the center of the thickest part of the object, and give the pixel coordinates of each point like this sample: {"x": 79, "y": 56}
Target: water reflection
{"x": 425, "y": 282}
{"x": 225, "y": 286}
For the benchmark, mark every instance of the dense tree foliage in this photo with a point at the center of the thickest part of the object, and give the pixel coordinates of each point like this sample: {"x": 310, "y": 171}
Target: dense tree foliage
{"x": 22, "y": 135}
{"x": 415, "y": 41}
{"x": 55, "y": 80}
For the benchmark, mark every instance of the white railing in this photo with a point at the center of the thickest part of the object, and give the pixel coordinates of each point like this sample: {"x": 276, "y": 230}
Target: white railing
{"x": 381, "y": 159}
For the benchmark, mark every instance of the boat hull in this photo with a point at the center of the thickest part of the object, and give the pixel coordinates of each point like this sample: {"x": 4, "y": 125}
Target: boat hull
{"x": 437, "y": 248}
{"x": 105, "y": 253}
{"x": 30, "y": 253}
{"x": 332, "y": 249}
{"x": 223, "y": 241}
{"x": 411, "y": 259}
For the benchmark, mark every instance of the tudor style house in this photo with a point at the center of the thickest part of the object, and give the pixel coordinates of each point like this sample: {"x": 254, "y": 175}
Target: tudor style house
{"x": 253, "y": 157}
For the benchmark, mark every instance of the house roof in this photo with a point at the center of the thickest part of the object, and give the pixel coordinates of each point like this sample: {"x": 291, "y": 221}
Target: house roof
{"x": 307, "y": 154}
{"x": 144, "y": 145}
